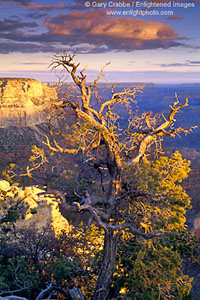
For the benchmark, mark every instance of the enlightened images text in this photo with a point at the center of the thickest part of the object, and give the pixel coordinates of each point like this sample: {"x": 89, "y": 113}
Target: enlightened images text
{"x": 139, "y": 4}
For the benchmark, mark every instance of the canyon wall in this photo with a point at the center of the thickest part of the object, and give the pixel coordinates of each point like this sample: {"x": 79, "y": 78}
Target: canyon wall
{"x": 25, "y": 106}
{"x": 24, "y": 102}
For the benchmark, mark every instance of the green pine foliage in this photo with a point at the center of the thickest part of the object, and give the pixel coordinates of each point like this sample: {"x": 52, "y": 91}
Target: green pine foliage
{"x": 147, "y": 271}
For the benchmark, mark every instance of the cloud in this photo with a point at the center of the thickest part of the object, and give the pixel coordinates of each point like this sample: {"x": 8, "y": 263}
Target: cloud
{"x": 19, "y": 2}
{"x": 187, "y": 63}
{"x": 175, "y": 18}
{"x": 196, "y": 62}
{"x": 31, "y": 63}
{"x": 117, "y": 33}
{"x": 174, "y": 65}
{"x": 34, "y": 6}
{"x": 9, "y": 25}
{"x": 26, "y": 47}
{"x": 95, "y": 29}
{"x": 36, "y": 15}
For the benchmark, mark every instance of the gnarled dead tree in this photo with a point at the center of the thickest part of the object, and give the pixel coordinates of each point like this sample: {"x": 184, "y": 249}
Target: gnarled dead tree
{"x": 97, "y": 135}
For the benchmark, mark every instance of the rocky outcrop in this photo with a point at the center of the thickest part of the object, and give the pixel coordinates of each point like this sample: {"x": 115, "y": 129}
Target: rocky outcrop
{"x": 41, "y": 209}
{"x": 24, "y": 102}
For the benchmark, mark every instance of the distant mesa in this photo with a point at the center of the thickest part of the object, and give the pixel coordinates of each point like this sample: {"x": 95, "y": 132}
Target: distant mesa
{"x": 24, "y": 101}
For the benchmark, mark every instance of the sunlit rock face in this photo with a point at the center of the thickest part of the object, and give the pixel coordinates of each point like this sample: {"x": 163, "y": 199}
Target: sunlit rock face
{"x": 41, "y": 210}
{"x": 24, "y": 102}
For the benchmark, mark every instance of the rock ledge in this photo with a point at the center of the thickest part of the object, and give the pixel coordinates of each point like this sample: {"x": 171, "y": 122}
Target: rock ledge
{"x": 24, "y": 101}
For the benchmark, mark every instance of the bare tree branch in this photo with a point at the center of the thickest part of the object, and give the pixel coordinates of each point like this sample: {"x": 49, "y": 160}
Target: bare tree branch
{"x": 13, "y": 298}
{"x": 97, "y": 134}
{"x": 161, "y": 130}
{"x": 43, "y": 293}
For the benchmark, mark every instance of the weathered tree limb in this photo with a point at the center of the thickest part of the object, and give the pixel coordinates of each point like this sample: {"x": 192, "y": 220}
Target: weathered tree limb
{"x": 93, "y": 84}
{"x": 13, "y": 298}
{"x": 161, "y": 130}
{"x": 100, "y": 125}
{"x": 58, "y": 148}
{"x": 43, "y": 293}
{"x": 106, "y": 226}
{"x": 76, "y": 294}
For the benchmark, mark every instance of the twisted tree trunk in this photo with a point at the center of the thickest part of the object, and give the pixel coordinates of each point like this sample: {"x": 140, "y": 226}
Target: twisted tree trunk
{"x": 107, "y": 266}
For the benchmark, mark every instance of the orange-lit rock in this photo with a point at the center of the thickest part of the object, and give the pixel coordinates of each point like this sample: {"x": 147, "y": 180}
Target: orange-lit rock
{"x": 24, "y": 102}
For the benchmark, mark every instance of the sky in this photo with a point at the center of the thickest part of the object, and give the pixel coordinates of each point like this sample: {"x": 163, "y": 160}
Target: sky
{"x": 149, "y": 41}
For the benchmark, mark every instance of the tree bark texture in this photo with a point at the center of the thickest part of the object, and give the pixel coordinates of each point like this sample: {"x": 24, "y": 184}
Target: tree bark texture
{"x": 107, "y": 266}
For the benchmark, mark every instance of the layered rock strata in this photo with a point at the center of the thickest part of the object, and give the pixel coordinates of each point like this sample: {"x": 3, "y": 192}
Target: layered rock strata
{"x": 24, "y": 102}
